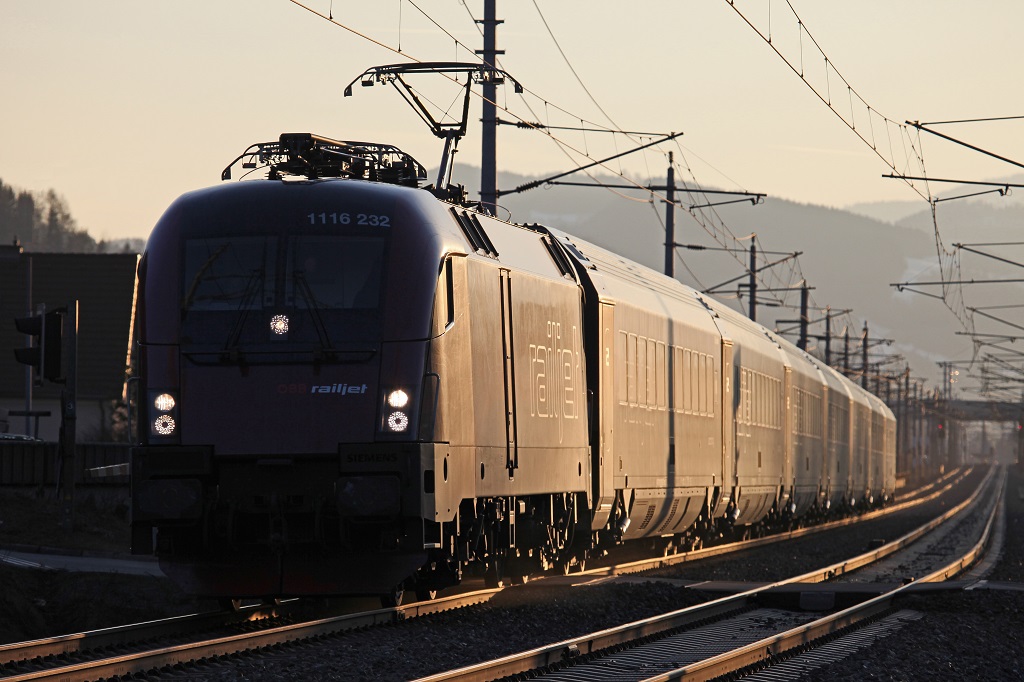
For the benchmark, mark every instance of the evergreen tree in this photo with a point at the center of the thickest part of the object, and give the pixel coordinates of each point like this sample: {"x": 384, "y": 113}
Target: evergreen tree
{"x": 21, "y": 217}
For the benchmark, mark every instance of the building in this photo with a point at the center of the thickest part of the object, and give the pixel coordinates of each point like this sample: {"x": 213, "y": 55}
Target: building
{"x": 104, "y": 285}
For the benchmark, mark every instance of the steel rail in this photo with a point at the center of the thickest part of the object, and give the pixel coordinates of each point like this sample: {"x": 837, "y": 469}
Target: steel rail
{"x": 562, "y": 652}
{"x": 760, "y": 652}
{"x": 142, "y": 661}
{"x": 61, "y": 645}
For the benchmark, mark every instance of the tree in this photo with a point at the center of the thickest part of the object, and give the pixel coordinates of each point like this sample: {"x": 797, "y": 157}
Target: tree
{"x": 21, "y": 217}
{"x": 17, "y": 215}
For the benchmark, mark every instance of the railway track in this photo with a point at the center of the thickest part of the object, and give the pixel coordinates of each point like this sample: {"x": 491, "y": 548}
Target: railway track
{"x": 744, "y": 632}
{"x": 142, "y": 647}
{"x": 150, "y": 646}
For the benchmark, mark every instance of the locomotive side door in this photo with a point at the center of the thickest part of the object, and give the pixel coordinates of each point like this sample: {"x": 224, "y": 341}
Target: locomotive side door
{"x": 511, "y": 443}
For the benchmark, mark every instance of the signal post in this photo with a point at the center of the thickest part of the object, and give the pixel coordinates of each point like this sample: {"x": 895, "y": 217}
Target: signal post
{"x": 53, "y": 356}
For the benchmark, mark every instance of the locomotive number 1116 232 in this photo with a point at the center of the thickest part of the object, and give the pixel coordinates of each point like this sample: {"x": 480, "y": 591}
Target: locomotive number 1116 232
{"x": 371, "y": 219}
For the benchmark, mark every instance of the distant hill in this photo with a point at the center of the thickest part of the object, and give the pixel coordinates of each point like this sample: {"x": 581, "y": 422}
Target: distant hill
{"x": 886, "y": 211}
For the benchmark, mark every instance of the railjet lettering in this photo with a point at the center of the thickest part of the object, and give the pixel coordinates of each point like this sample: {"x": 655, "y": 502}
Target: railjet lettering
{"x": 342, "y": 389}
{"x": 555, "y": 373}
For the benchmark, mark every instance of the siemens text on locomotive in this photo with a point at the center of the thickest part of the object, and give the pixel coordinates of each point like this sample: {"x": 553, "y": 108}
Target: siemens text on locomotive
{"x": 352, "y": 386}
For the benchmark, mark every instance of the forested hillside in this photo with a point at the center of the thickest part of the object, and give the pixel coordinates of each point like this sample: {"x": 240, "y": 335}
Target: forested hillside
{"x": 42, "y": 221}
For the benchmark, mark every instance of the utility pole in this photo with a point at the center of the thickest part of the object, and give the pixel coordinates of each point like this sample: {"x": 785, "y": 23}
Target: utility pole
{"x": 828, "y": 336}
{"x": 804, "y": 292}
{"x": 752, "y": 283}
{"x": 846, "y": 353}
{"x": 670, "y": 219}
{"x": 489, "y": 118}
{"x": 864, "y": 350}
{"x": 905, "y": 440}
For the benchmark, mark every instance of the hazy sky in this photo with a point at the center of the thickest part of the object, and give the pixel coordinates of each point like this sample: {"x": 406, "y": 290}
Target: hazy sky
{"x": 121, "y": 106}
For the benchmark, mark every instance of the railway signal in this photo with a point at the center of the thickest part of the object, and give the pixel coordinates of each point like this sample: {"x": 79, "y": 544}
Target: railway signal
{"x": 44, "y": 353}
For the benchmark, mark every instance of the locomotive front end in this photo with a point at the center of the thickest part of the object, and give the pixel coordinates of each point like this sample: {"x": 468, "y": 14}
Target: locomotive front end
{"x": 285, "y": 408}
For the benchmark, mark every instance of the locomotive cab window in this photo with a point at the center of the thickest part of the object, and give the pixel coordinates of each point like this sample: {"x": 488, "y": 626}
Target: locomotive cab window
{"x": 229, "y": 274}
{"x": 311, "y": 288}
{"x": 333, "y": 273}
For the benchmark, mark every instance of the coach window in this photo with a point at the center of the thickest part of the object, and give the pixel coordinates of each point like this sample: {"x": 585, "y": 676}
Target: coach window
{"x": 652, "y": 374}
{"x": 641, "y": 371}
{"x": 677, "y": 379}
{"x": 695, "y": 380}
{"x": 685, "y": 375}
{"x": 744, "y": 411}
{"x": 661, "y": 374}
{"x": 622, "y": 367}
{"x": 702, "y": 383}
{"x": 631, "y": 369}
{"x": 712, "y": 385}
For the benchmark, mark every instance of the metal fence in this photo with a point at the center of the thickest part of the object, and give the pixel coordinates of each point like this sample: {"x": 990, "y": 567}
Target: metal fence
{"x": 37, "y": 463}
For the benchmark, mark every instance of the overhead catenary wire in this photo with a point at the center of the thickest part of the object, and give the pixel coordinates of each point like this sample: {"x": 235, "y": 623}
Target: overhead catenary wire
{"x": 713, "y": 232}
{"x": 709, "y": 220}
{"x": 949, "y": 264}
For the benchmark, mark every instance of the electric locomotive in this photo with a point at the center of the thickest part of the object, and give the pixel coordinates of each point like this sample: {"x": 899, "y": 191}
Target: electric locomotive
{"x": 338, "y": 400}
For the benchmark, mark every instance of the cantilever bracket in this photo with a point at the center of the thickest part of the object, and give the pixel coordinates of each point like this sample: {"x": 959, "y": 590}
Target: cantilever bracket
{"x": 754, "y": 201}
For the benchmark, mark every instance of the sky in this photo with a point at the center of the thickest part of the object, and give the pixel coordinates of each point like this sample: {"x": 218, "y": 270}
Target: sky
{"x": 120, "y": 106}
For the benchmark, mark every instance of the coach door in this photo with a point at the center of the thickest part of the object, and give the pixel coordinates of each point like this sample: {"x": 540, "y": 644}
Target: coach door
{"x": 728, "y": 479}
{"x": 511, "y": 444}
{"x": 788, "y": 442}
{"x": 603, "y": 438}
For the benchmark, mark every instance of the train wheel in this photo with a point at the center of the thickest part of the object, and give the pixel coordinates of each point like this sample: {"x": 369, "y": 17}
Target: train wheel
{"x": 492, "y": 577}
{"x": 424, "y": 594}
{"x": 229, "y": 604}
{"x": 393, "y": 598}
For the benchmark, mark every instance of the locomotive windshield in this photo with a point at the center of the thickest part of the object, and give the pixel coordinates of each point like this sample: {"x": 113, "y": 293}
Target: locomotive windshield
{"x": 318, "y": 290}
{"x": 228, "y": 274}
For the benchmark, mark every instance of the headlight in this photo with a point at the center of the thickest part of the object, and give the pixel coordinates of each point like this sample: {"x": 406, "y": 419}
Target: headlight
{"x": 397, "y": 409}
{"x": 164, "y": 425}
{"x": 279, "y": 324}
{"x": 164, "y": 402}
{"x": 164, "y": 416}
{"x": 398, "y": 421}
